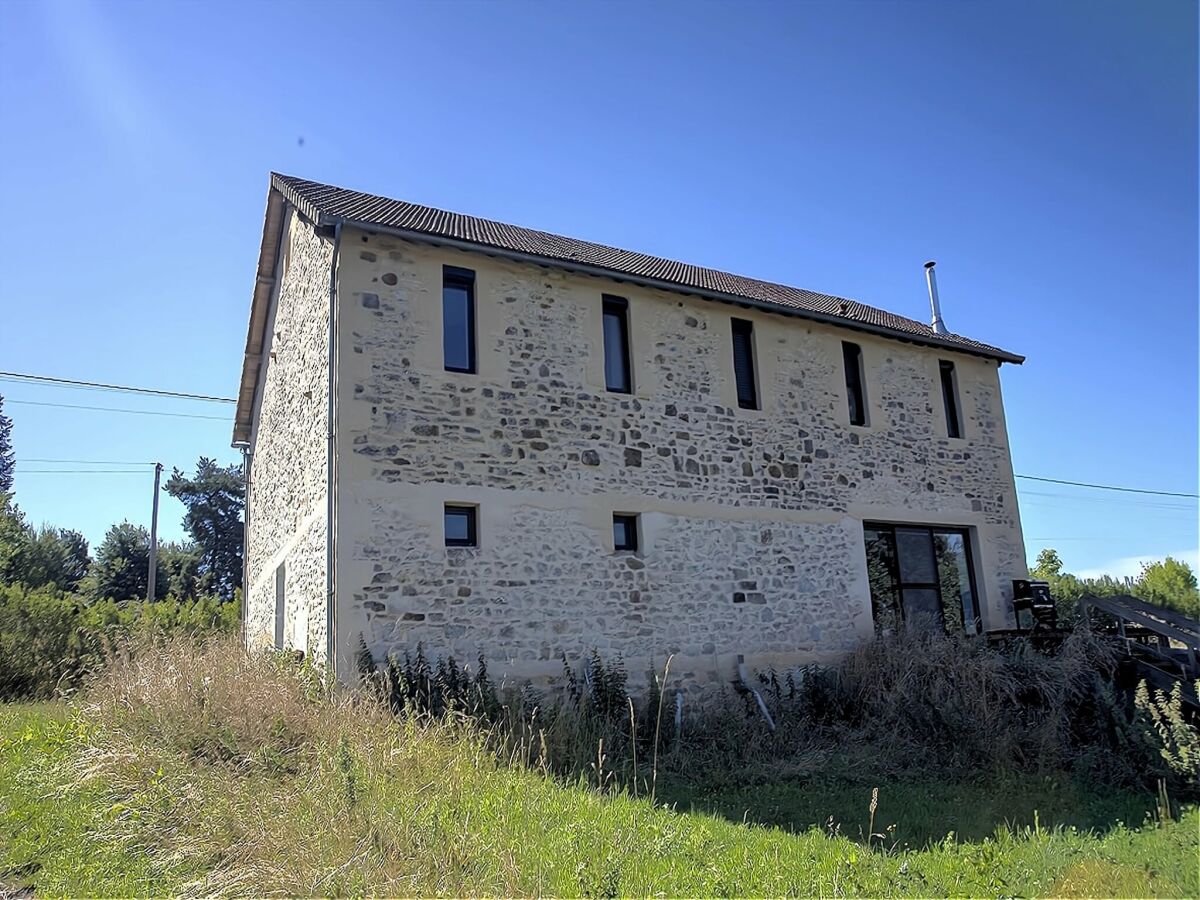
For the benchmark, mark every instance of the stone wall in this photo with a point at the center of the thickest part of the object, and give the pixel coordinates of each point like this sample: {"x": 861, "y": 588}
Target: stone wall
{"x": 289, "y": 474}
{"x": 752, "y": 519}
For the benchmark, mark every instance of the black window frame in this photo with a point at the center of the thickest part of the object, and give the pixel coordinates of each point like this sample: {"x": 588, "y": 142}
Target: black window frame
{"x": 618, "y": 308}
{"x": 631, "y": 525}
{"x": 899, "y": 586}
{"x": 454, "y": 276}
{"x": 949, "y": 382}
{"x": 472, "y": 516}
{"x": 856, "y": 388}
{"x": 745, "y": 376}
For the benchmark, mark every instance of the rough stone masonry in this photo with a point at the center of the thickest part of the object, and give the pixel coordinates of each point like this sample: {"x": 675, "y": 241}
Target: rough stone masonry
{"x": 751, "y": 521}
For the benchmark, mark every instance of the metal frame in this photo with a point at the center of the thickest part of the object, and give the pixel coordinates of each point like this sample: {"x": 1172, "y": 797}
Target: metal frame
{"x": 453, "y": 276}
{"x": 948, "y": 380}
{"x": 619, "y": 308}
{"x": 472, "y": 516}
{"x": 631, "y": 523}
{"x": 852, "y": 362}
{"x": 899, "y": 586}
{"x": 744, "y": 328}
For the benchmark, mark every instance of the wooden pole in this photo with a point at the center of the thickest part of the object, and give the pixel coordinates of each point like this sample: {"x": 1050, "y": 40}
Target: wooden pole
{"x": 152, "y": 576}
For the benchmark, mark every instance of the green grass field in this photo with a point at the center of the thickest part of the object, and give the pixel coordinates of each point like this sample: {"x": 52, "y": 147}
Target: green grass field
{"x": 400, "y": 809}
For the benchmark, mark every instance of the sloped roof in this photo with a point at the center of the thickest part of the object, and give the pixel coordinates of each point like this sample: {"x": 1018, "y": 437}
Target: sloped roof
{"x": 327, "y": 205}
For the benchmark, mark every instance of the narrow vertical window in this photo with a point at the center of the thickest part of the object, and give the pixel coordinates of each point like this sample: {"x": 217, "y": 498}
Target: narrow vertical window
{"x": 743, "y": 364}
{"x": 856, "y": 396}
{"x": 617, "y": 376}
{"x": 460, "y": 525}
{"x": 950, "y": 398}
{"x": 458, "y": 319}
{"x": 625, "y": 532}
{"x": 280, "y": 604}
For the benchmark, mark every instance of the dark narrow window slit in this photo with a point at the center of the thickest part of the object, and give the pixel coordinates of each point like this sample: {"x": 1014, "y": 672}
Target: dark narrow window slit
{"x": 618, "y": 376}
{"x": 743, "y": 364}
{"x": 458, "y": 319}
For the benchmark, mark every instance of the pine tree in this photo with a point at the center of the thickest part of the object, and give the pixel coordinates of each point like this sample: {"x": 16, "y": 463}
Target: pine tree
{"x": 7, "y": 460}
{"x": 214, "y": 499}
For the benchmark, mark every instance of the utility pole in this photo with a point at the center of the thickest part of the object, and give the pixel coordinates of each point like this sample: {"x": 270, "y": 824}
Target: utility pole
{"x": 153, "y": 574}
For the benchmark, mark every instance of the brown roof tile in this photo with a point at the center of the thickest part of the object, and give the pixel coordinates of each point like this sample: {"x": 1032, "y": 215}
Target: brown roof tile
{"x": 324, "y": 203}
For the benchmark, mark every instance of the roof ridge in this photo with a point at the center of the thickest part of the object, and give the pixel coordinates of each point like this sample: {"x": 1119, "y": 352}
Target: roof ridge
{"x": 317, "y": 199}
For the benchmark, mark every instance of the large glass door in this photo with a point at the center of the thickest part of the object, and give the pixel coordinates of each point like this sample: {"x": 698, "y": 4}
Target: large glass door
{"x": 921, "y": 577}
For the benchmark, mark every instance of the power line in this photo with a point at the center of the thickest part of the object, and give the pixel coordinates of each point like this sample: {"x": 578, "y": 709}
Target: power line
{"x": 81, "y": 472}
{"x": 139, "y": 412}
{"x": 85, "y": 462}
{"x": 97, "y": 385}
{"x": 1107, "y": 487}
{"x": 181, "y": 395}
{"x": 1088, "y": 498}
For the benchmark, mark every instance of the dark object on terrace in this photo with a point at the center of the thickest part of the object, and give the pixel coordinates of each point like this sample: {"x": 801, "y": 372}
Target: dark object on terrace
{"x": 1033, "y": 606}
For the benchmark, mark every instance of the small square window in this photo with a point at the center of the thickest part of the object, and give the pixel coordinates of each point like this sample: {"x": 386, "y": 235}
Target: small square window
{"x": 460, "y": 526}
{"x": 625, "y": 532}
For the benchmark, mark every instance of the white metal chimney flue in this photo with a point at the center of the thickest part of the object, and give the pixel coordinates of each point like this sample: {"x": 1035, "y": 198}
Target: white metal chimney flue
{"x": 939, "y": 327}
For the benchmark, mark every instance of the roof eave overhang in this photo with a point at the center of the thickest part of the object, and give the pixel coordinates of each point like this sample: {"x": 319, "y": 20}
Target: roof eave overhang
{"x": 265, "y": 276}
{"x": 658, "y": 284}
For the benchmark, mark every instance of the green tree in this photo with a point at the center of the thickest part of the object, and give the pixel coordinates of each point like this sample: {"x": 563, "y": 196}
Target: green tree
{"x": 182, "y": 565}
{"x": 52, "y": 556}
{"x": 14, "y": 537}
{"x": 7, "y": 460}
{"x": 1049, "y": 565}
{"x": 122, "y": 565}
{"x": 214, "y": 498}
{"x": 1170, "y": 583}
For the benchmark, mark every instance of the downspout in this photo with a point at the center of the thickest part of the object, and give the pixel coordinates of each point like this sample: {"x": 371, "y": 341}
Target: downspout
{"x": 330, "y": 477}
{"x": 762, "y": 705}
{"x": 244, "y": 446}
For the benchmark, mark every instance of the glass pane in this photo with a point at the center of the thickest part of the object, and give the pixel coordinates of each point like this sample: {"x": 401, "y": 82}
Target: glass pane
{"x": 458, "y": 525}
{"x": 950, "y": 399}
{"x": 616, "y": 353}
{"x": 955, "y": 578}
{"x": 456, "y": 326}
{"x": 914, "y": 548}
{"x": 852, "y": 358}
{"x": 743, "y": 364}
{"x": 621, "y": 533}
{"x": 922, "y": 612}
{"x": 881, "y": 567}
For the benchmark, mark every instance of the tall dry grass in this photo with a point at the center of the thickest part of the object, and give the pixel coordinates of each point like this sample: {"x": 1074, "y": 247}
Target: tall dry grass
{"x": 207, "y": 698}
{"x": 955, "y": 702}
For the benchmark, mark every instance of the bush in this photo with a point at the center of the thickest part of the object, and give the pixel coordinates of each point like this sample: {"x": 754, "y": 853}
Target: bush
{"x": 49, "y": 639}
{"x": 1162, "y": 723}
{"x": 909, "y": 704}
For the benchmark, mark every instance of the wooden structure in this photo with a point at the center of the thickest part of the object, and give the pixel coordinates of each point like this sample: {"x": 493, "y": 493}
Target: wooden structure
{"x": 1163, "y": 644}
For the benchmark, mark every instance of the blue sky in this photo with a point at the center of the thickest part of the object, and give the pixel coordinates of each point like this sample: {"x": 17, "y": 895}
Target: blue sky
{"x": 1044, "y": 153}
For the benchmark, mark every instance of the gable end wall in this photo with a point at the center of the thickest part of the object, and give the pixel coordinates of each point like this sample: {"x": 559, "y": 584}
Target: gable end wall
{"x": 288, "y": 502}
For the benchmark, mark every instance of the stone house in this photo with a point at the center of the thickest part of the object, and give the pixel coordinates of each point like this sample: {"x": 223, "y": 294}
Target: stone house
{"x": 496, "y": 440}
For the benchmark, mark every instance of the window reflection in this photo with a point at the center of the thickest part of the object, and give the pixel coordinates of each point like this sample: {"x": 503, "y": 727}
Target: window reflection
{"x": 920, "y": 578}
